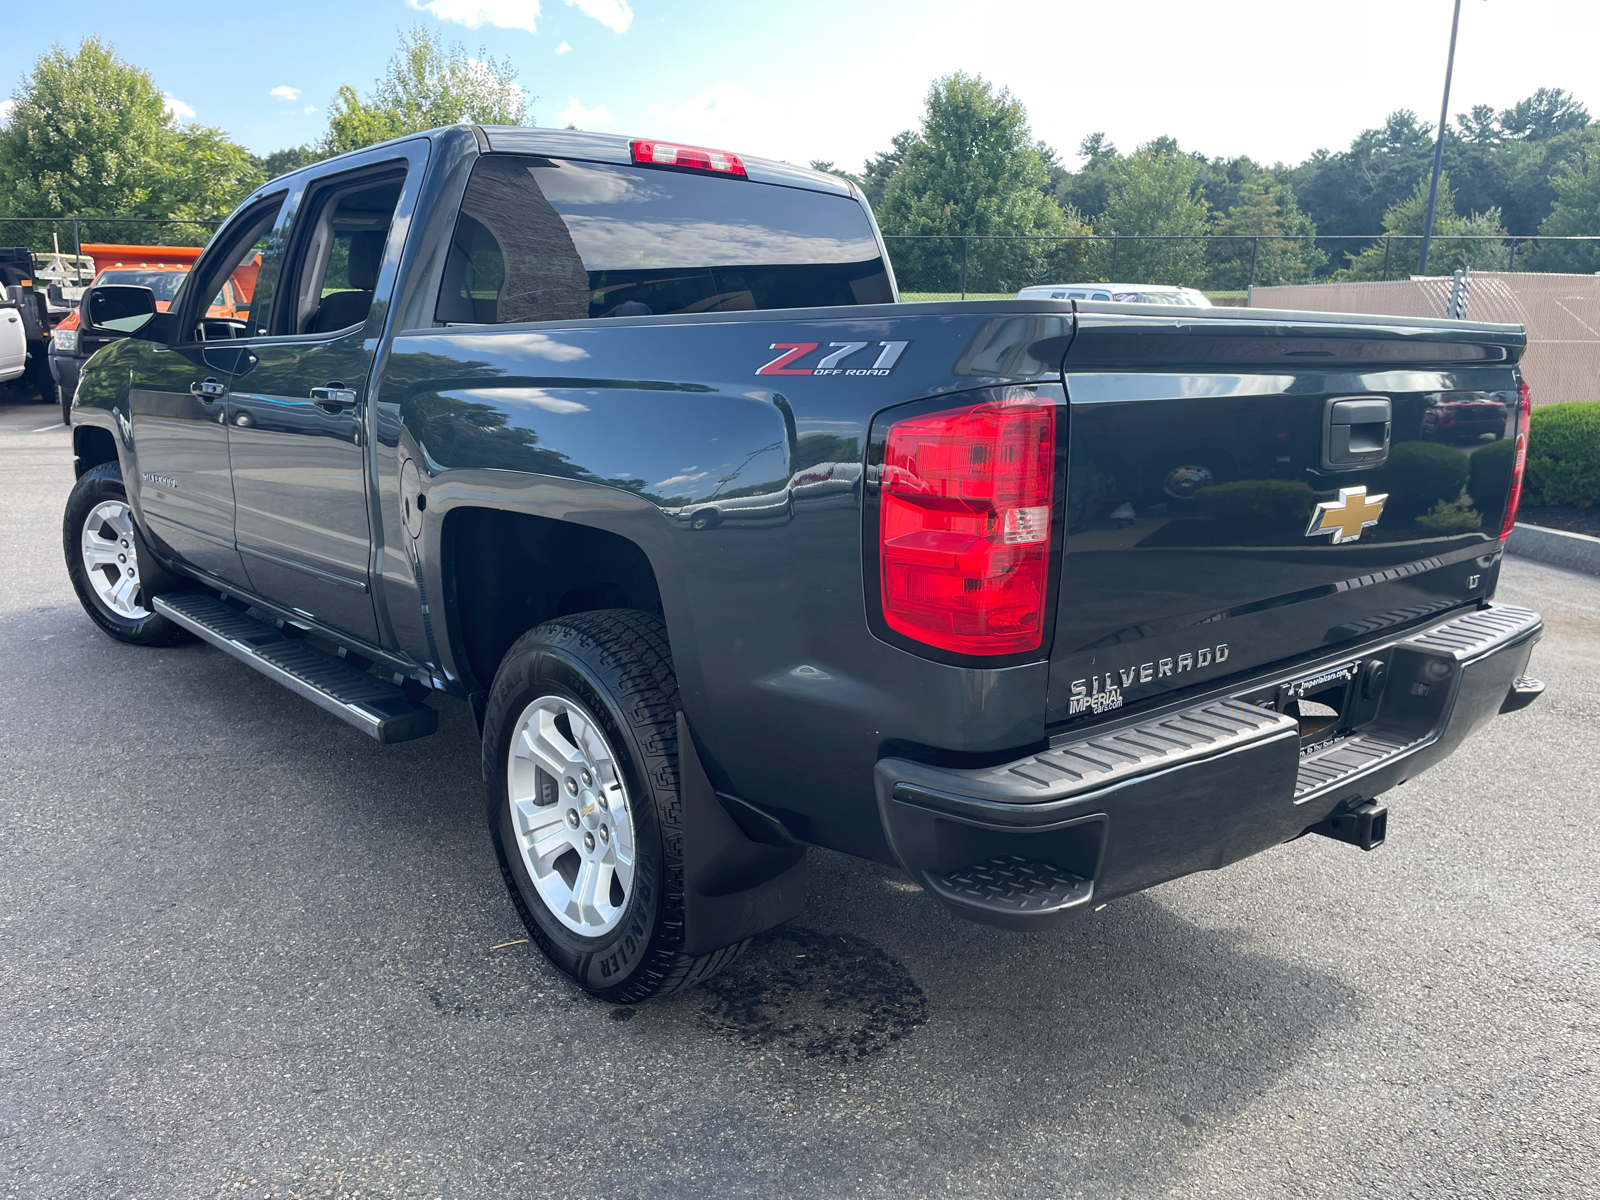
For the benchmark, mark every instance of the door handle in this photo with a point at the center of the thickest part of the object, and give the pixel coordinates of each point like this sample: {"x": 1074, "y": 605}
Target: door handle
{"x": 335, "y": 395}
{"x": 208, "y": 390}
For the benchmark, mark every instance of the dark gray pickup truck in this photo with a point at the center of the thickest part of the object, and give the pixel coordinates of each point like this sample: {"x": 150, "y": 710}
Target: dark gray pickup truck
{"x": 632, "y": 447}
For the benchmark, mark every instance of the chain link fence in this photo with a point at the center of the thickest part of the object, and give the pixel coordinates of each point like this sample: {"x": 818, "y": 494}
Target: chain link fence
{"x": 951, "y": 266}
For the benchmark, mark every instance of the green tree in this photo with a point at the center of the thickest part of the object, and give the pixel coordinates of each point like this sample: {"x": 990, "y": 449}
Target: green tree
{"x": 1576, "y": 212}
{"x": 1446, "y": 253}
{"x": 426, "y": 84}
{"x": 90, "y": 134}
{"x": 1152, "y": 193}
{"x": 973, "y": 169}
{"x": 1286, "y": 251}
{"x": 875, "y": 175}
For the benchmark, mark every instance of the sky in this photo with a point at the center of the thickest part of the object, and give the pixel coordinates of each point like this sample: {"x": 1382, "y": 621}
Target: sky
{"x": 836, "y": 79}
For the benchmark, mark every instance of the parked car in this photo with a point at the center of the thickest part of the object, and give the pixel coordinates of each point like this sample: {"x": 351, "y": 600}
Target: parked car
{"x": 13, "y": 340}
{"x": 33, "y": 314}
{"x": 162, "y": 269}
{"x": 1122, "y": 293}
{"x": 1450, "y": 417}
{"x": 446, "y": 455}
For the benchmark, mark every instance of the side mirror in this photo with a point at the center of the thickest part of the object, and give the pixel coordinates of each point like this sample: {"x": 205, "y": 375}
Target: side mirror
{"x": 117, "y": 309}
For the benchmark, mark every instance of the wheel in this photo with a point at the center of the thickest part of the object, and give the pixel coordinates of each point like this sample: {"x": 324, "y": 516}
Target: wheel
{"x": 109, "y": 570}
{"x": 706, "y": 518}
{"x": 580, "y": 766}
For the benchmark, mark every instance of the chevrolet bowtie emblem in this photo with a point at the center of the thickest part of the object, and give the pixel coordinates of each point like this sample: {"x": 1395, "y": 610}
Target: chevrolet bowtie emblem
{"x": 1347, "y": 516}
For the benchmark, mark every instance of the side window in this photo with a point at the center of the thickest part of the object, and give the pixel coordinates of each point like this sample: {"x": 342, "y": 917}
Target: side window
{"x": 330, "y": 283}
{"x": 230, "y": 276}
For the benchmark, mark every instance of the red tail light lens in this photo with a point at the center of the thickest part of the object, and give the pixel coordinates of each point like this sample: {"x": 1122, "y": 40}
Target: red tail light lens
{"x": 964, "y": 526}
{"x": 1524, "y": 411}
{"x": 695, "y": 158}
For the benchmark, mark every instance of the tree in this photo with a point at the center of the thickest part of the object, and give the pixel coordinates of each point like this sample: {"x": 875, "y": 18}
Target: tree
{"x": 973, "y": 169}
{"x": 1286, "y": 249}
{"x": 875, "y": 175}
{"x": 426, "y": 84}
{"x": 1152, "y": 192}
{"x": 1405, "y": 222}
{"x": 1576, "y": 211}
{"x": 1543, "y": 115}
{"x": 90, "y": 134}
{"x": 1086, "y": 189}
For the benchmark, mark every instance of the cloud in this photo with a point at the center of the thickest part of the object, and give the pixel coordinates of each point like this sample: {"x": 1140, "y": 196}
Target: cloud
{"x": 284, "y": 93}
{"x": 584, "y": 118}
{"x": 309, "y": 109}
{"x": 613, "y": 14}
{"x": 7, "y": 107}
{"x": 684, "y": 478}
{"x": 722, "y": 111}
{"x": 563, "y": 48}
{"x": 502, "y": 14}
{"x": 177, "y": 110}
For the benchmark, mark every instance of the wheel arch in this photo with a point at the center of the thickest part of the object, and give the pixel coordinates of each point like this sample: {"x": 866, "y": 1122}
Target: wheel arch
{"x": 505, "y": 572}
{"x": 91, "y": 446}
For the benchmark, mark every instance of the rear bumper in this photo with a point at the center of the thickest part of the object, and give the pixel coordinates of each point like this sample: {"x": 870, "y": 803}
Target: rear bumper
{"x": 1193, "y": 788}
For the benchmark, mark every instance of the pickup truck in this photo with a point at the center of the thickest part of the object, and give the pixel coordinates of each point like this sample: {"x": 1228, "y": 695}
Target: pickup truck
{"x": 632, "y": 447}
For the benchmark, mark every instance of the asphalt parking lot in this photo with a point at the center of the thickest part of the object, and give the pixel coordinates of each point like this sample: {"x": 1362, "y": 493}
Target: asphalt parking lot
{"x": 249, "y": 952}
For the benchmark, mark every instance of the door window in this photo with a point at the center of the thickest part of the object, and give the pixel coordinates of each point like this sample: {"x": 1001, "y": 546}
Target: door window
{"x": 235, "y": 265}
{"x": 337, "y": 259}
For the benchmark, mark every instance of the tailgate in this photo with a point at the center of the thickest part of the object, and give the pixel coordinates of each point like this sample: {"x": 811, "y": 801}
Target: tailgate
{"x": 1247, "y": 491}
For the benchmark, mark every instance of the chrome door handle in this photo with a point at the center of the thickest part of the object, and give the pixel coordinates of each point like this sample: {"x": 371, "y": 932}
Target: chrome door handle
{"x": 208, "y": 390}
{"x": 333, "y": 395}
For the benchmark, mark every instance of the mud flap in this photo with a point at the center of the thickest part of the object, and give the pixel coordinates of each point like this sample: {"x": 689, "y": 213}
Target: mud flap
{"x": 733, "y": 888}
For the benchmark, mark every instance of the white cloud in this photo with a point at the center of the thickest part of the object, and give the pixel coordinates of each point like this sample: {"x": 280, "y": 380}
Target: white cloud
{"x": 177, "y": 110}
{"x": 584, "y": 118}
{"x": 7, "y": 107}
{"x": 684, "y": 478}
{"x": 309, "y": 109}
{"x": 284, "y": 93}
{"x": 723, "y": 112}
{"x": 563, "y": 48}
{"x": 502, "y": 14}
{"x": 613, "y": 14}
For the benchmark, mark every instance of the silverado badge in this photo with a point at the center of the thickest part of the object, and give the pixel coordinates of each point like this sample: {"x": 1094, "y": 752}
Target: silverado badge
{"x": 1347, "y": 516}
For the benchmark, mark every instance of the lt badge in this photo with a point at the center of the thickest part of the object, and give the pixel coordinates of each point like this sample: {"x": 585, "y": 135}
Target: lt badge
{"x": 1347, "y": 516}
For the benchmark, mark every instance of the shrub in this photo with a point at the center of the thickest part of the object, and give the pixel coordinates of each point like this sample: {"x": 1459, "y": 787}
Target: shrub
{"x": 1489, "y": 474}
{"x": 1564, "y": 455}
{"x": 1420, "y": 475}
{"x": 1445, "y": 517}
{"x": 1248, "y": 504}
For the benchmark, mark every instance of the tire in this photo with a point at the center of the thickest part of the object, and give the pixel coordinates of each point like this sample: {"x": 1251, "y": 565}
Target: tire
{"x": 608, "y": 673}
{"x": 114, "y": 589}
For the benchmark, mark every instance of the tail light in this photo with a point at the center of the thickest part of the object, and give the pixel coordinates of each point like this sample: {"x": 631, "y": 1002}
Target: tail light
{"x": 1524, "y": 412}
{"x": 694, "y": 158}
{"x": 964, "y": 514}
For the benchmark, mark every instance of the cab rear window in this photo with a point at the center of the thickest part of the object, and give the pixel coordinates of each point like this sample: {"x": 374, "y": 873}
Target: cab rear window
{"x": 541, "y": 239}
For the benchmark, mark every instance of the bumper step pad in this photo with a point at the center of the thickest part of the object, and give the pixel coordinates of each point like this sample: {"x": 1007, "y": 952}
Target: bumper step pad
{"x": 1011, "y": 883}
{"x": 378, "y": 708}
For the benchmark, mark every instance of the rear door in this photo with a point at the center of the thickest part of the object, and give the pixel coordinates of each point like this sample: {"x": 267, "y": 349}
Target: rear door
{"x": 298, "y": 442}
{"x": 1243, "y": 492}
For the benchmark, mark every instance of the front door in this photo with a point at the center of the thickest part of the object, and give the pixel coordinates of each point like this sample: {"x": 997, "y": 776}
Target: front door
{"x": 179, "y": 411}
{"x": 297, "y": 439}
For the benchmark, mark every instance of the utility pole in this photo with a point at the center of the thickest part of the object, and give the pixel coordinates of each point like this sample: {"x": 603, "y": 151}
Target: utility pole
{"x": 1438, "y": 145}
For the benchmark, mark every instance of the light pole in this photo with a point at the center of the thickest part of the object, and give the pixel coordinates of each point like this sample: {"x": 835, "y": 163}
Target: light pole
{"x": 1438, "y": 144}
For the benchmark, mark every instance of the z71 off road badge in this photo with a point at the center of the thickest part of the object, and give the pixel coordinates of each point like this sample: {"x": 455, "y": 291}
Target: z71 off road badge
{"x": 887, "y": 354}
{"x": 1347, "y": 516}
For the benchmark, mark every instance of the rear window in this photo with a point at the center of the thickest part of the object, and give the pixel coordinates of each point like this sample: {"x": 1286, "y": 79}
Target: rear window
{"x": 541, "y": 239}
{"x": 163, "y": 283}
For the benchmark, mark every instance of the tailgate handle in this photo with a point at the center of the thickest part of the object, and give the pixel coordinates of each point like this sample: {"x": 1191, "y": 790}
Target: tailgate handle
{"x": 1355, "y": 432}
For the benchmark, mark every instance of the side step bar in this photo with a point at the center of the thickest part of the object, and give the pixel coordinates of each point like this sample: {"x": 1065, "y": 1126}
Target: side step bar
{"x": 377, "y": 708}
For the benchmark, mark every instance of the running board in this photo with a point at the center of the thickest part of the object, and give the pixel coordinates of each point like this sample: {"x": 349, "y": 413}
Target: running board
{"x": 379, "y": 709}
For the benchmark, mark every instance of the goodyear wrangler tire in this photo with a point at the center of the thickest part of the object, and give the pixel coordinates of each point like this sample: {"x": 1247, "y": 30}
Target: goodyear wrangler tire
{"x": 580, "y": 766}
